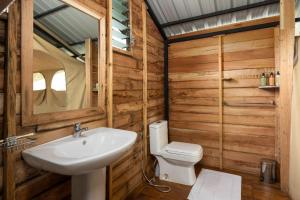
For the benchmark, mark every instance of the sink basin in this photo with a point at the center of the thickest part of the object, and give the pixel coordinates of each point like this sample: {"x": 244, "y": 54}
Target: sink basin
{"x": 83, "y": 158}
{"x": 73, "y": 156}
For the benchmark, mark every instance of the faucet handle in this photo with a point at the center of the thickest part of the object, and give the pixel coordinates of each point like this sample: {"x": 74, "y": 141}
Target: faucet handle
{"x": 77, "y": 127}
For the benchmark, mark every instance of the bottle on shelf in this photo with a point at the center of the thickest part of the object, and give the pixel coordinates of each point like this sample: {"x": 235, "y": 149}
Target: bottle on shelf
{"x": 271, "y": 79}
{"x": 277, "y": 82}
{"x": 263, "y": 80}
{"x": 267, "y": 80}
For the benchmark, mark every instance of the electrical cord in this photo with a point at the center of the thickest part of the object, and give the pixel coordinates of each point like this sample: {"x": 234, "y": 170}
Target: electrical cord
{"x": 151, "y": 182}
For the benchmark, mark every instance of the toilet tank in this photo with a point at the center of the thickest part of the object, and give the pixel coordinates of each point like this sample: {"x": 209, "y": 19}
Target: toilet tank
{"x": 158, "y": 136}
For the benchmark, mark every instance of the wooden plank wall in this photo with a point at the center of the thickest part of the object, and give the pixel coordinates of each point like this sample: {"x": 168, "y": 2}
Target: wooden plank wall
{"x": 249, "y": 116}
{"x": 31, "y": 183}
{"x": 155, "y": 72}
{"x": 193, "y": 84}
{"x": 2, "y": 63}
{"x": 128, "y": 92}
{"x": 128, "y": 107}
{"x": 155, "y": 52}
{"x": 286, "y": 60}
{"x": 128, "y": 98}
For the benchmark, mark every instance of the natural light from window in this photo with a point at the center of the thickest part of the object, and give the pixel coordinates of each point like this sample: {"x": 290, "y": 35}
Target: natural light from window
{"x": 58, "y": 82}
{"x": 39, "y": 82}
{"x": 121, "y": 33}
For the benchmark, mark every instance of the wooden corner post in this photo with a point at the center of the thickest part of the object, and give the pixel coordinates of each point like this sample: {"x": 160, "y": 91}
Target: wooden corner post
{"x": 10, "y": 99}
{"x": 109, "y": 54}
{"x": 287, "y": 37}
{"x": 145, "y": 81}
{"x": 88, "y": 72}
{"x": 220, "y": 59}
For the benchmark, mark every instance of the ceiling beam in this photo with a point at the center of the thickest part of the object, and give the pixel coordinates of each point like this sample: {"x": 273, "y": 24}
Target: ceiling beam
{"x": 223, "y": 32}
{"x": 57, "y": 38}
{"x": 78, "y": 43}
{"x": 221, "y": 12}
{"x": 228, "y": 27}
{"x": 4, "y": 4}
{"x": 155, "y": 20}
{"x": 82, "y": 42}
{"x": 51, "y": 11}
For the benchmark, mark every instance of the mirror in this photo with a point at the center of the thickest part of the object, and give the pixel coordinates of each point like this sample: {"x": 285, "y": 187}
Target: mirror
{"x": 65, "y": 49}
{"x": 63, "y": 60}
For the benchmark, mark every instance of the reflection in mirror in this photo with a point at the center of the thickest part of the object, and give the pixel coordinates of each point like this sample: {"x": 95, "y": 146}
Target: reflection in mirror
{"x": 65, "y": 58}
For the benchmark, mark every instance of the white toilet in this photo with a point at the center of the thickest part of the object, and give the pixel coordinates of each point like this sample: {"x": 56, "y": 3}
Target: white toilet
{"x": 177, "y": 159}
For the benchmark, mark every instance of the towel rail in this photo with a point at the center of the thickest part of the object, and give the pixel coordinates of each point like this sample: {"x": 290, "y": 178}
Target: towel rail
{"x": 267, "y": 104}
{"x": 15, "y": 142}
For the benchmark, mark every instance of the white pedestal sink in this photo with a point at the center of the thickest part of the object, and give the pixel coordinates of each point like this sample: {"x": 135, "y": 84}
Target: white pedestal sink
{"x": 83, "y": 158}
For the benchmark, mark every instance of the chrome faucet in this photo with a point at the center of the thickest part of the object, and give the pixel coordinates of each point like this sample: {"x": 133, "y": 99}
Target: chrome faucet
{"x": 78, "y": 130}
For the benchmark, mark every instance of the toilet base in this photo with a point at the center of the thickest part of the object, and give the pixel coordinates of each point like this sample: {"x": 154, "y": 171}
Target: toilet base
{"x": 171, "y": 172}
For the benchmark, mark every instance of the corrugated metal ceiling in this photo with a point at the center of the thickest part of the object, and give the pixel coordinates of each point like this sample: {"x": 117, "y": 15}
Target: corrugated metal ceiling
{"x": 70, "y": 24}
{"x": 75, "y": 26}
{"x": 174, "y": 10}
{"x": 41, "y": 6}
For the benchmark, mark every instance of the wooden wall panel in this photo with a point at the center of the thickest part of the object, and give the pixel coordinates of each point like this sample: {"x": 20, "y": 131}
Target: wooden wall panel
{"x": 128, "y": 104}
{"x": 2, "y": 65}
{"x": 128, "y": 108}
{"x": 155, "y": 50}
{"x": 194, "y": 95}
{"x": 245, "y": 153}
{"x": 128, "y": 98}
{"x": 127, "y": 80}
{"x": 127, "y": 114}
{"x": 249, "y": 116}
{"x": 155, "y": 78}
{"x": 286, "y": 65}
{"x": 30, "y": 183}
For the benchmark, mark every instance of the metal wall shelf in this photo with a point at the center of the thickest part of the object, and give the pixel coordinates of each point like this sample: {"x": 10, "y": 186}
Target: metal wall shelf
{"x": 269, "y": 87}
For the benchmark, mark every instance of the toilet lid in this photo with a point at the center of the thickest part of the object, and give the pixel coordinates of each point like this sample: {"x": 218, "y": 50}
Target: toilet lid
{"x": 182, "y": 148}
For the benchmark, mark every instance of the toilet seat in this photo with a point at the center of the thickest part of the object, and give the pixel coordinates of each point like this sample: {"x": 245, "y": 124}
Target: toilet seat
{"x": 182, "y": 151}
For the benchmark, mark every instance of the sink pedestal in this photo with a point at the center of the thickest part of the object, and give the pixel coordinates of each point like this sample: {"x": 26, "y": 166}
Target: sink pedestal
{"x": 76, "y": 156}
{"x": 89, "y": 186}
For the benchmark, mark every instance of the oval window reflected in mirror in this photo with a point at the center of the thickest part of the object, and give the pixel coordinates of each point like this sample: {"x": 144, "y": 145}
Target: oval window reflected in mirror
{"x": 58, "y": 82}
{"x": 39, "y": 82}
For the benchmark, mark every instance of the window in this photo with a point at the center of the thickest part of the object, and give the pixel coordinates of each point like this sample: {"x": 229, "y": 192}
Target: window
{"x": 121, "y": 33}
{"x": 39, "y": 82}
{"x": 58, "y": 82}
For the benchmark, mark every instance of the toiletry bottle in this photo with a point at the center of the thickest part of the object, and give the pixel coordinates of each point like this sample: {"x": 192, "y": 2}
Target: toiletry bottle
{"x": 267, "y": 77}
{"x": 263, "y": 80}
{"x": 277, "y": 78}
{"x": 271, "y": 79}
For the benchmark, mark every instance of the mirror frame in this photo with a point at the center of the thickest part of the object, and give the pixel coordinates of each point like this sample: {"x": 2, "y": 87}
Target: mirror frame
{"x": 28, "y": 117}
